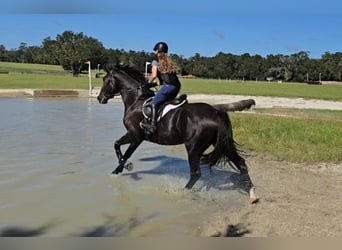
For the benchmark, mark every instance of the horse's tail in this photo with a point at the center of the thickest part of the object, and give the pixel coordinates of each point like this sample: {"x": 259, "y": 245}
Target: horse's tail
{"x": 236, "y": 106}
{"x": 225, "y": 148}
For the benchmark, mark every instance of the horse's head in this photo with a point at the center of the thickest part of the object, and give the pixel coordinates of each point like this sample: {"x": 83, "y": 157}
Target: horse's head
{"x": 127, "y": 81}
{"x": 109, "y": 87}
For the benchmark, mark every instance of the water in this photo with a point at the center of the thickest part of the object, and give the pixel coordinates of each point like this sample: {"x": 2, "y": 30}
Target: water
{"x": 56, "y": 156}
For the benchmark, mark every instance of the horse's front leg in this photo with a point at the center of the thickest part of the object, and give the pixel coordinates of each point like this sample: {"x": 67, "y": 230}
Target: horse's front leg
{"x": 117, "y": 145}
{"x": 117, "y": 148}
{"x": 134, "y": 143}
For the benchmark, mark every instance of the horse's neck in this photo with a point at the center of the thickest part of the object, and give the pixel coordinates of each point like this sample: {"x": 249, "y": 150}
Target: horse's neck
{"x": 130, "y": 93}
{"x": 130, "y": 98}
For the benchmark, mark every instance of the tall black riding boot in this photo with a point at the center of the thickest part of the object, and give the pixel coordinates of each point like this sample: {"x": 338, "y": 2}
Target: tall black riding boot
{"x": 153, "y": 122}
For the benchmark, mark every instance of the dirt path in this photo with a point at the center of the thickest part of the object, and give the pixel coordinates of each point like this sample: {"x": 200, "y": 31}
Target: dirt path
{"x": 269, "y": 102}
{"x": 261, "y": 101}
{"x": 296, "y": 200}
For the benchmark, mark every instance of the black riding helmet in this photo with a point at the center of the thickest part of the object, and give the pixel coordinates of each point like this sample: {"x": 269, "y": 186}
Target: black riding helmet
{"x": 161, "y": 47}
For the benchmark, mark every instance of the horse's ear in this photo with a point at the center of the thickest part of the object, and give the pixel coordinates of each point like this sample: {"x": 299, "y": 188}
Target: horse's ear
{"x": 105, "y": 68}
{"x": 108, "y": 68}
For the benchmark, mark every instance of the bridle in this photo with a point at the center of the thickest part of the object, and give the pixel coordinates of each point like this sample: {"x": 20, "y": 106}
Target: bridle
{"x": 138, "y": 90}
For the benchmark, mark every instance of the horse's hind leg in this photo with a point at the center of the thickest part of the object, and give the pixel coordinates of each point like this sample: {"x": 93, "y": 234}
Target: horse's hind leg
{"x": 195, "y": 170}
{"x": 195, "y": 150}
{"x": 247, "y": 183}
{"x": 246, "y": 180}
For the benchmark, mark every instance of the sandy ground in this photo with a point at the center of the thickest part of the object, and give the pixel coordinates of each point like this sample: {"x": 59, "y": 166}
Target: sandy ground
{"x": 269, "y": 102}
{"x": 296, "y": 199}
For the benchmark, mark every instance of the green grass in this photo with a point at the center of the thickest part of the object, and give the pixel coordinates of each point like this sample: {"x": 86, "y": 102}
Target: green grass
{"x": 31, "y": 68}
{"x": 289, "y": 139}
{"x": 41, "y": 76}
{"x": 313, "y": 114}
{"x": 189, "y": 86}
{"x": 51, "y": 76}
{"x": 37, "y": 81}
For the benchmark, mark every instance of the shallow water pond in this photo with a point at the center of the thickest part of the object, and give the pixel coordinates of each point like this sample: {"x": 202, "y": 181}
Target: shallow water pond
{"x": 56, "y": 156}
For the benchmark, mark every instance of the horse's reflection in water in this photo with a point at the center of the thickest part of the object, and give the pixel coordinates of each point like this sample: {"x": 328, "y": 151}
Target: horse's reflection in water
{"x": 196, "y": 125}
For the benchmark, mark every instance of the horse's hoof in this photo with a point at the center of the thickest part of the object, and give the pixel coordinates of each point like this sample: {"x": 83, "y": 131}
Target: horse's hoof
{"x": 253, "y": 198}
{"x": 129, "y": 166}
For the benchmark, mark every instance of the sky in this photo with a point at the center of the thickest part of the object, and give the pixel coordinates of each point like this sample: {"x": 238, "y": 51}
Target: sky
{"x": 207, "y": 27}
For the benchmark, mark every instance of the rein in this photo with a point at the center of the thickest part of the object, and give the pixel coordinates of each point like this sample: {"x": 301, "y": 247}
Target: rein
{"x": 127, "y": 90}
{"x": 139, "y": 90}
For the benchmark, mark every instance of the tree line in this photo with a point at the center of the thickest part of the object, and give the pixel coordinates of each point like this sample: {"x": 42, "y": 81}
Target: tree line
{"x": 71, "y": 50}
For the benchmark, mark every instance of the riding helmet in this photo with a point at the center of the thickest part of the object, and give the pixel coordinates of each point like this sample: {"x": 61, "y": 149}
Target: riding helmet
{"x": 161, "y": 47}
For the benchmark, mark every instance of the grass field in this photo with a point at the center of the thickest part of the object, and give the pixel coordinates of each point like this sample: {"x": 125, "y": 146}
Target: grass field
{"x": 45, "y": 81}
{"x": 41, "y": 76}
{"x": 37, "y": 76}
{"x": 189, "y": 86}
{"x": 314, "y": 136}
{"x": 31, "y": 68}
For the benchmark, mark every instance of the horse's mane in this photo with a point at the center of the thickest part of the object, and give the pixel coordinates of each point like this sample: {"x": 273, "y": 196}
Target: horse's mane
{"x": 129, "y": 70}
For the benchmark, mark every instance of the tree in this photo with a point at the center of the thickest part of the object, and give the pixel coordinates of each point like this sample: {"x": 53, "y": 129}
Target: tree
{"x": 332, "y": 66}
{"x": 49, "y": 54}
{"x": 309, "y": 71}
{"x": 3, "y": 53}
{"x": 71, "y": 50}
{"x": 24, "y": 54}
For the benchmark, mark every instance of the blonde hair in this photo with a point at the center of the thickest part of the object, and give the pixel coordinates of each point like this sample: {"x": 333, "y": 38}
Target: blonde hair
{"x": 165, "y": 64}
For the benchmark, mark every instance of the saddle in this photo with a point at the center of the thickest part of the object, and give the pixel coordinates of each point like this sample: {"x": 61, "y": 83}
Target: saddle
{"x": 165, "y": 108}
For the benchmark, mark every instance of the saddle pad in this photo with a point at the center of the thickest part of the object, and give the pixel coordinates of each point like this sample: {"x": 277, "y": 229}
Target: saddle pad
{"x": 170, "y": 107}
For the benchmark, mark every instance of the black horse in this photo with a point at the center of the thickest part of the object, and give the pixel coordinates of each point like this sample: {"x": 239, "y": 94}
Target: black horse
{"x": 196, "y": 125}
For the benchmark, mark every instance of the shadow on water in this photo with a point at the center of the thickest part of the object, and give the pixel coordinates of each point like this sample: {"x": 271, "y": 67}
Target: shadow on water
{"x": 17, "y": 231}
{"x": 110, "y": 228}
{"x": 218, "y": 178}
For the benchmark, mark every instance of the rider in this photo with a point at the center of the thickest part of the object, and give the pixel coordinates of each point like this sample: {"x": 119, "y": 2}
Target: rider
{"x": 166, "y": 71}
